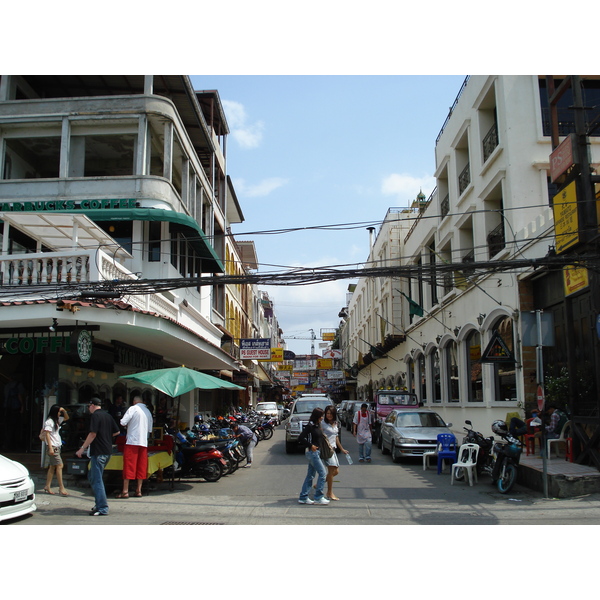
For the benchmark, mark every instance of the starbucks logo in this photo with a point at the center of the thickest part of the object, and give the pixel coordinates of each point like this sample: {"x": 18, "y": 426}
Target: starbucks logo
{"x": 84, "y": 346}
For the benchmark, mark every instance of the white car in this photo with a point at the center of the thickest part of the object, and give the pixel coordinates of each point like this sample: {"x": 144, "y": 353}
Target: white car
{"x": 17, "y": 491}
{"x": 269, "y": 409}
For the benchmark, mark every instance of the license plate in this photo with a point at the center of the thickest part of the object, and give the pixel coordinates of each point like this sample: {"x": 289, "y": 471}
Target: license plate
{"x": 20, "y": 496}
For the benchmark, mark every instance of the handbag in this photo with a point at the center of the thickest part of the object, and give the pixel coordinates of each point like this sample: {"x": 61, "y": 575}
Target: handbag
{"x": 325, "y": 449}
{"x": 43, "y": 435}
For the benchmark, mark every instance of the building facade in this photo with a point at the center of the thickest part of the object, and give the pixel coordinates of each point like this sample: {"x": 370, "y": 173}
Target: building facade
{"x": 111, "y": 178}
{"x": 465, "y": 345}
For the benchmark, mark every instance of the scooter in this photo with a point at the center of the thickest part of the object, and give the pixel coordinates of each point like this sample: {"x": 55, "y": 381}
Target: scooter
{"x": 484, "y": 456}
{"x": 204, "y": 460}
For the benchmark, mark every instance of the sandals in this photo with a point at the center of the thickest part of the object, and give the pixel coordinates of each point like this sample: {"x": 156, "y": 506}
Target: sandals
{"x": 138, "y": 494}
{"x": 122, "y": 495}
{"x": 47, "y": 491}
{"x": 63, "y": 493}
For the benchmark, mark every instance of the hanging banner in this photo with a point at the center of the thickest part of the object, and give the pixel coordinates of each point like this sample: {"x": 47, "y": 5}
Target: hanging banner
{"x": 575, "y": 279}
{"x": 255, "y": 349}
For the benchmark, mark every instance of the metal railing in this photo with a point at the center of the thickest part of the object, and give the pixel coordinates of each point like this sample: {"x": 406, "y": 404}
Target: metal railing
{"x": 464, "y": 179}
{"x": 495, "y": 240}
{"x": 490, "y": 142}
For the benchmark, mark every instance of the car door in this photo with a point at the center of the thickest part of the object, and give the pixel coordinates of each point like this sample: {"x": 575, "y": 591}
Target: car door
{"x": 388, "y": 429}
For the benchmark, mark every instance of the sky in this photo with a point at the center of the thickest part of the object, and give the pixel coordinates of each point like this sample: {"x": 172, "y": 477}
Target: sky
{"x": 311, "y": 150}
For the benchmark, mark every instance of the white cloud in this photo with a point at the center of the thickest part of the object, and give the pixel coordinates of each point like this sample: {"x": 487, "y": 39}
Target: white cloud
{"x": 406, "y": 187}
{"x": 247, "y": 135}
{"x": 260, "y": 189}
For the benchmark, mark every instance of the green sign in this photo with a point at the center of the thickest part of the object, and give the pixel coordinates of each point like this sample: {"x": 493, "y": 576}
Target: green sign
{"x": 54, "y": 205}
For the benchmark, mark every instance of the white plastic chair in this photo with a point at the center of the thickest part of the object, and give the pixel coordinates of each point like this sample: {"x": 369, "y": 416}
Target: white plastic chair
{"x": 427, "y": 455}
{"x": 561, "y": 438}
{"x": 467, "y": 460}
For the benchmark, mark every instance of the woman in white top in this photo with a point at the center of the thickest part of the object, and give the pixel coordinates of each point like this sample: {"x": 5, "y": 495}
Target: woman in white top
{"x": 54, "y": 461}
{"x": 330, "y": 428}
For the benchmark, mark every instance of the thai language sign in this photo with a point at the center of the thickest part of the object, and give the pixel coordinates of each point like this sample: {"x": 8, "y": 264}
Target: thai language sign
{"x": 255, "y": 349}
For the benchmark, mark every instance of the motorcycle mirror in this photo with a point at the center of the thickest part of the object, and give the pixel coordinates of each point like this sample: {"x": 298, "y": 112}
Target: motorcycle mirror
{"x": 468, "y": 422}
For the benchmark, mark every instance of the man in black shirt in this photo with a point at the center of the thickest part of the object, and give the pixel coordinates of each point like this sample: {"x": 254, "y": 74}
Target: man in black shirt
{"x": 99, "y": 440}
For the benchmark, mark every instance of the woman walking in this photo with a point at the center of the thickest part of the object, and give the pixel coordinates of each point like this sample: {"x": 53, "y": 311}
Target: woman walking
{"x": 54, "y": 462}
{"x": 311, "y": 438}
{"x": 330, "y": 429}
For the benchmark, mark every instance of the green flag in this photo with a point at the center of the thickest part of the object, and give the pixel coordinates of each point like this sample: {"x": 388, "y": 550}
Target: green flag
{"x": 414, "y": 307}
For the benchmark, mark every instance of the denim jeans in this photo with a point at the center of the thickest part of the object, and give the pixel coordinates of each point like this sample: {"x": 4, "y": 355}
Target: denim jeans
{"x": 250, "y": 450}
{"x": 364, "y": 450}
{"x": 97, "y": 464}
{"x": 315, "y": 467}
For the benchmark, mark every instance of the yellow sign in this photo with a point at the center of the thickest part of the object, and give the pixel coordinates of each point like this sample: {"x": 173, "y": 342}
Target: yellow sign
{"x": 285, "y": 368}
{"x": 276, "y": 355}
{"x": 324, "y": 363}
{"x": 328, "y": 336}
{"x": 575, "y": 279}
{"x": 566, "y": 221}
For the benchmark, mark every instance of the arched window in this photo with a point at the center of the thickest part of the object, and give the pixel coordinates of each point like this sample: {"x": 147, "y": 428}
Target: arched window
{"x": 473, "y": 349}
{"x": 451, "y": 371}
{"x": 422, "y": 373}
{"x": 434, "y": 369}
{"x": 505, "y": 383}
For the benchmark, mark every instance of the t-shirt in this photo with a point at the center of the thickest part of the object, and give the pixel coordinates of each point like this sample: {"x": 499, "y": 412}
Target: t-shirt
{"x": 363, "y": 431}
{"x": 139, "y": 424}
{"x": 103, "y": 425}
{"x": 55, "y": 439}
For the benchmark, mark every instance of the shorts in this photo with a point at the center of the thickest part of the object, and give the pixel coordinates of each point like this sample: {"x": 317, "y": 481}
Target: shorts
{"x": 135, "y": 462}
{"x": 56, "y": 460}
{"x": 332, "y": 462}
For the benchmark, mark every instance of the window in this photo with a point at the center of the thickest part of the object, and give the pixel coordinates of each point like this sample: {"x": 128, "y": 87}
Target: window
{"x": 473, "y": 349}
{"x": 154, "y": 237}
{"x": 111, "y": 155}
{"x": 505, "y": 387}
{"x": 434, "y": 361}
{"x": 32, "y": 157}
{"x": 120, "y": 231}
{"x": 450, "y": 352}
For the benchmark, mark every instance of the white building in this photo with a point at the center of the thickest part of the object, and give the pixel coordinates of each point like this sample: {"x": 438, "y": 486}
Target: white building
{"x": 492, "y": 203}
{"x": 110, "y": 178}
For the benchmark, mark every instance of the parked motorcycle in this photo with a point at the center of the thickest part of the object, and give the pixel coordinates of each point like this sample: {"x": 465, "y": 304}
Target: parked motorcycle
{"x": 499, "y": 460}
{"x": 203, "y": 460}
{"x": 507, "y": 456}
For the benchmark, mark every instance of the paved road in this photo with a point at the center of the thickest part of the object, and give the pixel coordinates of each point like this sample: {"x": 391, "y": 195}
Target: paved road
{"x": 380, "y": 493}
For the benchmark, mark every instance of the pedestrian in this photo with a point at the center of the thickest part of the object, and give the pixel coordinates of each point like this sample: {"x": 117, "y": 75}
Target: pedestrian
{"x": 330, "y": 427}
{"x": 310, "y": 439}
{"x": 363, "y": 431}
{"x": 138, "y": 421}
{"x": 99, "y": 442}
{"x": 248, "y": 440}
{"x": 118, "y": 409}
{"x": 56, "y": 416}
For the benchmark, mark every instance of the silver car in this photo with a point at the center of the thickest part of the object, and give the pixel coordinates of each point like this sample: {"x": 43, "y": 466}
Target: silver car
{"x": 410, "y": 433}
{"x": 17, "y": 491}
{"x": 299, "y": 416}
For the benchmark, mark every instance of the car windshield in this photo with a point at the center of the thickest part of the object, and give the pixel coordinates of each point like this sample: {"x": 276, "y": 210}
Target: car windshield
{"x": 266, "y": 406}
{"x": 419, "y": 419}
{"x": 307, "y": 406}
{"x": 397, "y": 400}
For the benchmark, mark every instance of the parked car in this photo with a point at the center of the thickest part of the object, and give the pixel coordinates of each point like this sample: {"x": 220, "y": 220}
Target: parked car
{"x": 17, "y": 491}
{"x": 342, "y": 412}
{"x": 268, "y": 408}
{"x": 410, "y": 433}
{"x": 301, "y": 411}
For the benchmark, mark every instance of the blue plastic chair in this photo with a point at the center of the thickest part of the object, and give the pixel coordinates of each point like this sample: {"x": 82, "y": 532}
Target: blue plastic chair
{"x": 447, "y": 448}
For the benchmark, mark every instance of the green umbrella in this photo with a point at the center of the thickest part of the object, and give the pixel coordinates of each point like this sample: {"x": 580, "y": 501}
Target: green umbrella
{"x": 179, "y": 380}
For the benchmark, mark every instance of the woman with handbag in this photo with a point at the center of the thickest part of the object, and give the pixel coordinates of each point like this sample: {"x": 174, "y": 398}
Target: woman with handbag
{"x": 311, "y": 439}
{"x": 330, "y": 427}
{"x": 53, "y": 441}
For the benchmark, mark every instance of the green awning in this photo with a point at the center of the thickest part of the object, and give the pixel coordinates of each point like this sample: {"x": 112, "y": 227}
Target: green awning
{"x": 211, "y": 263}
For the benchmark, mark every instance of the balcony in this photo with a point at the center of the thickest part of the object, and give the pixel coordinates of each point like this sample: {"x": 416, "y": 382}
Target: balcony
{"x": 495, "y": 240}
{"x": 445, "y": 206}
{"x": 464, "y": 179}
{"x": 490, "y": 142}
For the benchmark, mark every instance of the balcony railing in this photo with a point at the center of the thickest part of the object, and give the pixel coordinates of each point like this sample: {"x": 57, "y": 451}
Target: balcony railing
{"x": 464, "y": 179}
{"x": 75, "y": 267}
{"x": 490, "y": 142}
{"x": 495, "y": 240}
{"x": 445, "y": 206}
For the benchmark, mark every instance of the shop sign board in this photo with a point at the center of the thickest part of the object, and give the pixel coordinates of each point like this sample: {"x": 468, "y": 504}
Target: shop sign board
{"x": 335, "y": 374}
{"x": 566, "y": 219}
{"x": 54, "y": 205}
{"x": 575, "y": 279}
{"x": 324, "y": 363}
{"x": 285, "y": 368}
{"x": 37, "y": 345}
{"x": 255, "y": 349}
{"x": 276, "y": 355}
{"x": 563, "y": 158}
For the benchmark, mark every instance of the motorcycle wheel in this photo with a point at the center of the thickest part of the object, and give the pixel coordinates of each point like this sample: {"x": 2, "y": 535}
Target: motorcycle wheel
{"x": 268, "y": 433}
{"x": 507, "y": 479}
{"x": 212, "y": 471}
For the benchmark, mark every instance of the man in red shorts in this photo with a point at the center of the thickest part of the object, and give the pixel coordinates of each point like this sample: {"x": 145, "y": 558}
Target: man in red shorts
{"x": 138, "y": 421}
